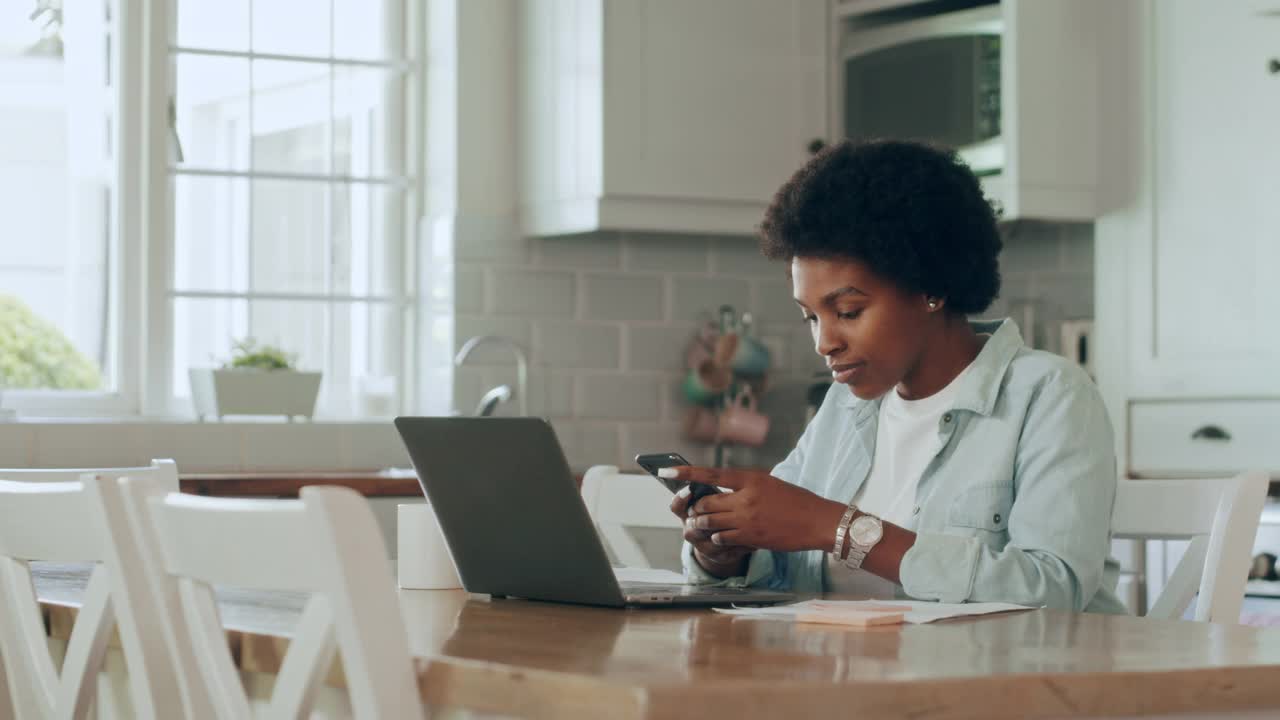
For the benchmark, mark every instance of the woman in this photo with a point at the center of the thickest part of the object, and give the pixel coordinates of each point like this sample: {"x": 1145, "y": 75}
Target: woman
{"x": 948, "y": 461}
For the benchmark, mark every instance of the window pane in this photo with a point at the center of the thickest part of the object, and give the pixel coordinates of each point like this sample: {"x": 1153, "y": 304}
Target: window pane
{"x": 356, "y": 345}
{"x": 56, "y": 199}
{"x": 211, "y": 233}
{"x": 363, "y": 29}
{"x": 290, "y": 247}
{"x": 293, "y": 27}
{"x": 313, "y": 237}
{"x": 368, "y": 240}
{"x": 364, "y": 121}
{"x": 241, "y": 235}
{"x": 219, "y": 25}
{"x": 291, "y": 111}
{"x": 212, "y": 106}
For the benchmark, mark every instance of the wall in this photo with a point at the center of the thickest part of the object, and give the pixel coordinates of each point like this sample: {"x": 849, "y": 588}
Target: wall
{"x": 607, "y": 317}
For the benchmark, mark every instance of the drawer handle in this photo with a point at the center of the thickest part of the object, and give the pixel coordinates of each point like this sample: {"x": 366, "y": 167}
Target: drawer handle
{"x": 1211, "y": 432}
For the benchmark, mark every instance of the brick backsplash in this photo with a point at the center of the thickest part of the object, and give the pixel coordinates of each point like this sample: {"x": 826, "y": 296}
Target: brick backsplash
{"x": 606, "y": 318}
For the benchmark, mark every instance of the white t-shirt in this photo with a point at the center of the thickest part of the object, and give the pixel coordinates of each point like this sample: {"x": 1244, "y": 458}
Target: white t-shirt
{"x": 906, "y": 440}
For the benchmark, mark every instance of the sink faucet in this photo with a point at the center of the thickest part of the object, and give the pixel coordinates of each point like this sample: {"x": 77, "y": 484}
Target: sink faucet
{"x": 492, "y": 399}
{"x": 522, "y": 363}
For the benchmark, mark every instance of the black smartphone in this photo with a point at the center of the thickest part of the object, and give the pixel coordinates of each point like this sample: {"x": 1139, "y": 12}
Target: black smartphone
{"x": 653, "y": 462}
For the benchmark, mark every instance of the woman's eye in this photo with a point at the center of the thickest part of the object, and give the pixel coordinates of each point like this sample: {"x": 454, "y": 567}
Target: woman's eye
{"x": 811, "y": 318}
{"x": 851, "y": 315}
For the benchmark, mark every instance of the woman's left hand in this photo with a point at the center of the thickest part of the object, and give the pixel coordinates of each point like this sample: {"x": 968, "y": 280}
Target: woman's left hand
{"x": 762, "y": 511}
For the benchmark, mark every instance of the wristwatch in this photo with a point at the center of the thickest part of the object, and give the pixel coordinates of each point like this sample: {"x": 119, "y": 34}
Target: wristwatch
{"x": 864, "y": 533}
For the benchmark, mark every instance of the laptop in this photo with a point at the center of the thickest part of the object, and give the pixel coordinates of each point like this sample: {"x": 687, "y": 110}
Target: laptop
{"x": 515, "y": 521}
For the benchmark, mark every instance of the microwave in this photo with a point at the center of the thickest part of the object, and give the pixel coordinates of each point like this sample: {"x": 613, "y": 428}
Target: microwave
{"x": 934, "y": 78}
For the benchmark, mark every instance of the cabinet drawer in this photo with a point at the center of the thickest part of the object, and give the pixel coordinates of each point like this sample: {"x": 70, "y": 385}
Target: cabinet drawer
{"x": 1205, "y": 438}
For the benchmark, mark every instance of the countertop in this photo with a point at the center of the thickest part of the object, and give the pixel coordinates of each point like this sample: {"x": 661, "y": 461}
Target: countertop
{"x": 549, "y": 660}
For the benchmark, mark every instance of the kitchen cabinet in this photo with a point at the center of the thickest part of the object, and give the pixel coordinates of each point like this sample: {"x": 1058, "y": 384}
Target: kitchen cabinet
{"x": 1202, "y": 438}
{"x": 1199, "y": 232}
{"x": 665, "y": 115}
{"x": 1187, "y": 240}
{"x": 1187, "y": 335}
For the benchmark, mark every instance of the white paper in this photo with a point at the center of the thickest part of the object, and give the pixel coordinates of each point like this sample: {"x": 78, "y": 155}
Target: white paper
{"x": 917, "y": 612}
{"x": 648, "y": 575}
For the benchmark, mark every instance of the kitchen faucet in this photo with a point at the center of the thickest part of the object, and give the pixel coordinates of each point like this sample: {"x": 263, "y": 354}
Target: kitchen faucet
{"x": 522, "y": 363}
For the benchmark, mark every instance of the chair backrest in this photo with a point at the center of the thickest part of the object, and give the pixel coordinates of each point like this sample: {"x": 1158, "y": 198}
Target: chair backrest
{"x": 77, "y": 522}
{"x": 617, "y": 501}
{"x": 326, "y": 543}
{"x": 1220, "y": 518}
{"x": 164, "y": 472}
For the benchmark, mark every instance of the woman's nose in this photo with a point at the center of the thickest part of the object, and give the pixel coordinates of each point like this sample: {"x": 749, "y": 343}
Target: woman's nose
{"x": 825, "y": 340}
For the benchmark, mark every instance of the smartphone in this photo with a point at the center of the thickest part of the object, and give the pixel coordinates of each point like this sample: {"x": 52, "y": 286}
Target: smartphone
{"x": 654, "y": 462}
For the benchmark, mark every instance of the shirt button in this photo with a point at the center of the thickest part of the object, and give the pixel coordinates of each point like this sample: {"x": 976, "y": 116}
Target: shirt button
{"x": 996, "y": 519}
{"x": 946, "y": 418}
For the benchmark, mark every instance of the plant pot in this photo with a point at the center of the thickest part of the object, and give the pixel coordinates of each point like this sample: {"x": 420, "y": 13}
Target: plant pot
{"x": 247, "y": 391}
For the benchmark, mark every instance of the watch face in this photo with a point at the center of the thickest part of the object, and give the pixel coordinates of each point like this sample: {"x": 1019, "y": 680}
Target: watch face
{"x": 866, "y": 530}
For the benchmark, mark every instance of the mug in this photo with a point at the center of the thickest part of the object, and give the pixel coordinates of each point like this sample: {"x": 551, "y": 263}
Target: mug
{"x": 703, "y": 385}
{"x": 752, "y": 357}
{"x": 741, "y": 423}
{"x": 701, "y": 346}
{"x": 701, "y": 424}
{"x": 422, "y": 557}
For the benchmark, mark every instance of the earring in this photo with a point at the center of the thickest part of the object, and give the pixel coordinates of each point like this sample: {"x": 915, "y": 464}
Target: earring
{"x": 933, "y": 304}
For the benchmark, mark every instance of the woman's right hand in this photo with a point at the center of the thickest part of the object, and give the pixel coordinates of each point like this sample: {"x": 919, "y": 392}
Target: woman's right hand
{"x": 720, "y": 560}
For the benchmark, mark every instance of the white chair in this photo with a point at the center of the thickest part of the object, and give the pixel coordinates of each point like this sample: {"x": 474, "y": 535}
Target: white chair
{"x": 617, "y": 501}
{"x": 326, "y": 543}
{"x": 78, "y": 522}
{"x": 1219, "y": 517}
{"x": 164, "y": 471}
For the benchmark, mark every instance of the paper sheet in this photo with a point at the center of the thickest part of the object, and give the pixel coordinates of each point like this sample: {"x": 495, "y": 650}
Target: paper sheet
{"x": 917, "y": 612}
{"x": 648, "y": 575}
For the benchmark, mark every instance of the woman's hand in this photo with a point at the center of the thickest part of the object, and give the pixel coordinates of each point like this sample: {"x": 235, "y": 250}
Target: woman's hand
{"x": 720, "y": 560}
{"x": 761, "y": 512}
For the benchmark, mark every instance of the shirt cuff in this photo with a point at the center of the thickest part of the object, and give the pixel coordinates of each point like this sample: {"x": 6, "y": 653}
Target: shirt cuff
{"x": 940, "y": 567}
{"x": 760, "y": 566}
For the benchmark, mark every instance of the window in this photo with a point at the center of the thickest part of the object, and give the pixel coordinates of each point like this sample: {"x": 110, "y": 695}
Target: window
{"x": 293, "y": 192}
{"x": 271, "y": 193}
{"x": 58, "y": 201}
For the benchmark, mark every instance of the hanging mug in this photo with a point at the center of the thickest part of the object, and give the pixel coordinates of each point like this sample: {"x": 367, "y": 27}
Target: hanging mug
{"x": 741, "y": 423}
{"x": 701, "y": 424}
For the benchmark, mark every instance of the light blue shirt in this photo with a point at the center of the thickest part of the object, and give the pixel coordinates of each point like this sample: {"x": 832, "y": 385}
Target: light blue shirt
{"x": 1015, "y": 506}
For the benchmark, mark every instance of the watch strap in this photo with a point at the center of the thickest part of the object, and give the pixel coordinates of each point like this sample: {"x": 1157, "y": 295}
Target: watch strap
{"x": 842, "y": 531}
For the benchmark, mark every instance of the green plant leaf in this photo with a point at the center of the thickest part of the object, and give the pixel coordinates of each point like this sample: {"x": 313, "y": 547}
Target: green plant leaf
{"x": 246, "y": 353}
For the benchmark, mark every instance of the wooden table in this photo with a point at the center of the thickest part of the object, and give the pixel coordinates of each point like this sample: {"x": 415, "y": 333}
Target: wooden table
{"x": 546, "y": 660}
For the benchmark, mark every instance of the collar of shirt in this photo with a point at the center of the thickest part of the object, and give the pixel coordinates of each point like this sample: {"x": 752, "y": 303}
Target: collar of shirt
{"x": 980, "y": 386}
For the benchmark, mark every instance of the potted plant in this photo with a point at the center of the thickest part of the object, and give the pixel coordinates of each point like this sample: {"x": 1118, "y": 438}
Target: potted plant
{"x": 258, "y": 380}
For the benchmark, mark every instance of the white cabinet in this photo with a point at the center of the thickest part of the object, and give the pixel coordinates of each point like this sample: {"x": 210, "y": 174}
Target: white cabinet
{"x": 1189, "y": 247}
{"x": 1202, "y": 438}
{"x": 1198, "y": 226}
{"x": 667, "y": 115}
